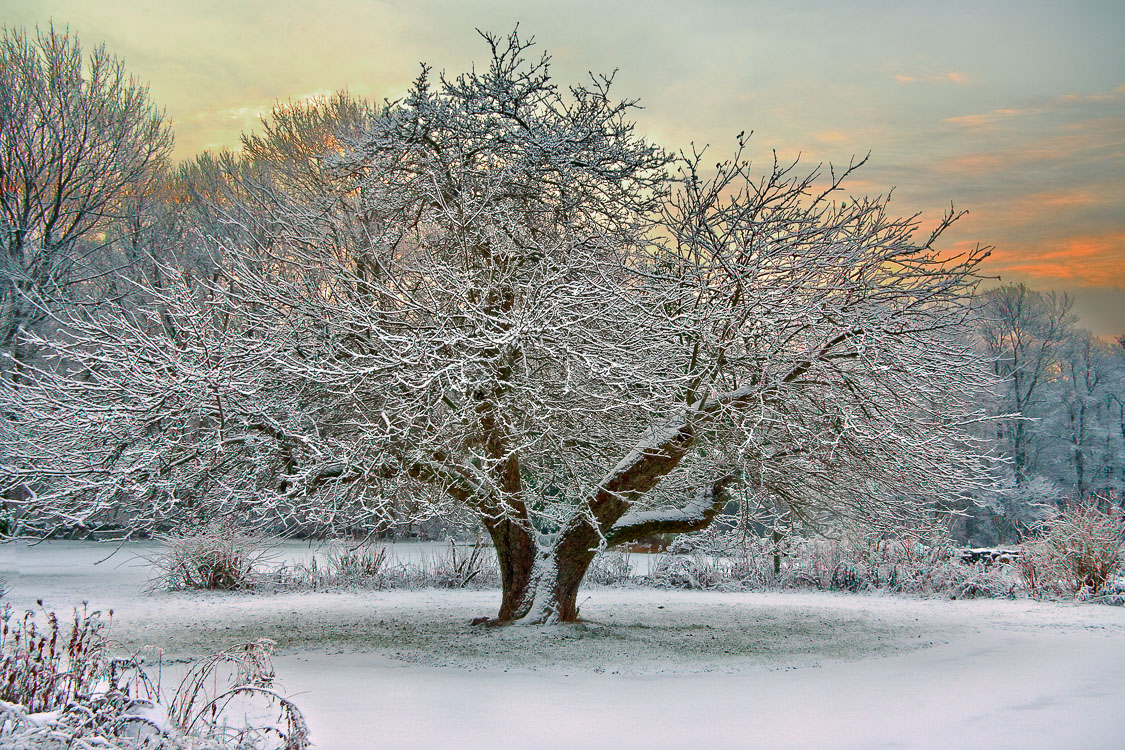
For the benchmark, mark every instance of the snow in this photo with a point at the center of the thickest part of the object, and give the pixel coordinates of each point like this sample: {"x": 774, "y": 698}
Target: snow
{"x": 648, "y": 668}
{"x": 694, "y": 510}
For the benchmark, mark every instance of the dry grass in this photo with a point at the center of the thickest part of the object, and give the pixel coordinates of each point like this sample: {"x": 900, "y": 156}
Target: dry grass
{"x": 61, "y": 688}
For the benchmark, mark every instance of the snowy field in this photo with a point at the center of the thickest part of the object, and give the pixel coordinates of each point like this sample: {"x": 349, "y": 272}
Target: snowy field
{"x": 648, "y": 668}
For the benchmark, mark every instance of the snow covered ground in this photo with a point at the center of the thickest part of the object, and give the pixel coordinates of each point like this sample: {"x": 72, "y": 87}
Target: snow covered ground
{"x": 648, "y": 668}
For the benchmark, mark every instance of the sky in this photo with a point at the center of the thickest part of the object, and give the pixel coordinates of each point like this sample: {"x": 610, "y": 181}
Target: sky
{"x": 1013, "y": 111}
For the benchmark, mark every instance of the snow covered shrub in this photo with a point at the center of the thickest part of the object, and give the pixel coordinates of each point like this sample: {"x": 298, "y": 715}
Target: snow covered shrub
{"x": 715, "y": 558}
{"x": 371, "y": 566}
{"x": 230, "y": 697}
{"x": 690, "y": 571}
{"x": 456, "y": 571}
{"x": 1113, "y": 592}
{"x": 850, "y": 562}
{"x": 1078, "y": 550}
{"x": 980, "y": 582}
{"x": 813, "y": 563}
{"x": 62, "y": 689}
{"x": 610, "y": 568}
{"x": 360, "y": 563}
{"x": 216, "y": 556}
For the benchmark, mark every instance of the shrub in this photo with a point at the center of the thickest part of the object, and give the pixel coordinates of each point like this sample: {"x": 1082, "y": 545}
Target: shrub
{"x": 230, "y": 697}
{"x": 1078, "y": 550}
{"x": 64, "y": 690}
{"x": 44, "y": 669}
{"x": 690, "y": 571}
{"x": 852, "y": 562}
{"x": 982, "y": 583}
{"x": 216, "y": 556}
{"x": 609, "y": 568}
{"x": 457, "y": 571}
{"x": 372, "y": 566}
{"x": 363, "y": 563}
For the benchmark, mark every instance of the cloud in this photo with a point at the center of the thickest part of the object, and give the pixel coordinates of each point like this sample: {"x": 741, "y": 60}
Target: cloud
{"x": 1071, "y": 104}
{"x": 953, "y": 76}
{"x": 1039, "y": 151}
{"x": 1117, "y": 93}
{"x": 1025, "y": 209}
{"x": 832, "y": 136}
{"x": 1085, "y": 260}
{"x": 988, "y": 120}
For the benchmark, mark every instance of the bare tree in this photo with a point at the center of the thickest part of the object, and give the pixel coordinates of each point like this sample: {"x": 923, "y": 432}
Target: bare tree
{"x": 494, "y": 294}
{"x": 1024, "y": 332}
{"x": 78, "y": 138}
{"x": 1085, "y": 419}
{"x": 1116, "y": 408}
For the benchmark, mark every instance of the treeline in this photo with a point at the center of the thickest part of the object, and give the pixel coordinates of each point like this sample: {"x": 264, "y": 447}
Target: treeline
{"x": 1059, "y": 408}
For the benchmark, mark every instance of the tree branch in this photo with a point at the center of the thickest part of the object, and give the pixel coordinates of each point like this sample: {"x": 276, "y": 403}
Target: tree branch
{"x": 694, "y": 516}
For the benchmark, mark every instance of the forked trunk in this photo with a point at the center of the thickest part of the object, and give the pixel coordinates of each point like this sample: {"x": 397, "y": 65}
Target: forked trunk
{"x": 540, "y": 586}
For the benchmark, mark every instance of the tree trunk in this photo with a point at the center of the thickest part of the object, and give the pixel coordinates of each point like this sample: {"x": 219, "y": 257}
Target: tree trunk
{"x": 540, "y": 583}
{"x": 559, "y": 573}
{"x": 515, "y": 554}
{"x": 540, "y": 586}
{"x": 776, "y": 537}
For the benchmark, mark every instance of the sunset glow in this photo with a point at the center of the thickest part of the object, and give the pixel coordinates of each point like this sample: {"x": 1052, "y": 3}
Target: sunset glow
{"x": 1013, "y": 111}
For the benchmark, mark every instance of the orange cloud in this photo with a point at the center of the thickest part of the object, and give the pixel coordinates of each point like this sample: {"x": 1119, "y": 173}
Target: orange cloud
{"x": 950, "y": 77}
{"x": 986, "y": 163}
{"x": 1028, "y": 210}
{"x": 1089, "y": 260}
{"x": 1109, "y": 95}
{"x": 831, "y": 136}
{"x": 1068, "y": 145}
{"x": 987, "y": 120}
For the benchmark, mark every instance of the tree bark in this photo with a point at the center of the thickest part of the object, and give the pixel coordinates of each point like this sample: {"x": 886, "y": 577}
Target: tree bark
{"x": 515, "y": 554}
{"x": 540, "y": 586}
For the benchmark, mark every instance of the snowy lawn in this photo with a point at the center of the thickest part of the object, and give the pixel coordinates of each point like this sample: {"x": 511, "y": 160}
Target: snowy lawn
{"x": 648, "y": 668}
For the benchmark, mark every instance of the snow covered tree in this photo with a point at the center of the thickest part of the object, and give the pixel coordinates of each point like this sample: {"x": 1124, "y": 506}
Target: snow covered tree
{"x": 495, "y": 295}
{"x": 1024, "y": 333}
{"x": 1057, "y": 405}
{"x": 78, "y": 137}
{"x": 1084, "y": 424}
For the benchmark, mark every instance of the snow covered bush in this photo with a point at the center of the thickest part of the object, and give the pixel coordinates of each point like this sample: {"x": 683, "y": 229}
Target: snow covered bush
{"x": 231, "y": 697}
{"x": 62, "y": 689}
{"x": 371, "y": 566}
{"x": 1077, "y": 551}
{"x": 218, "y": 555}
{"x": 456, "y": 571}
{"x": 983, "y": 582}
{"x": 610, "y": 568}
{"x": 1113, "y": 592}
{"x": 364, "y": 562}
{"x": 851, "y": 561}
{"x": 691, "y": 571}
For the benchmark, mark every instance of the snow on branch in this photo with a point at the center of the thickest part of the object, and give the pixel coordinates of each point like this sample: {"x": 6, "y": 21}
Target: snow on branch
{"x": 693, "y": 516}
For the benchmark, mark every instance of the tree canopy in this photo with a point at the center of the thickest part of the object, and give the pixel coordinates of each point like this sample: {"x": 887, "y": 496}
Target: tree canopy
{"x": 495, "y": 295}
